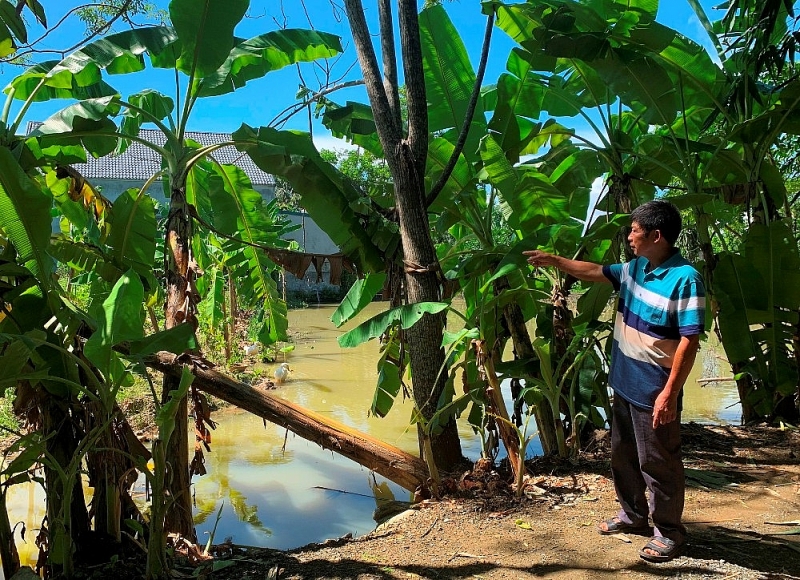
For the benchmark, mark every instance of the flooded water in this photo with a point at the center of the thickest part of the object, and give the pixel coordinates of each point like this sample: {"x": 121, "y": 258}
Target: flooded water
{"x": 271, "y": 488}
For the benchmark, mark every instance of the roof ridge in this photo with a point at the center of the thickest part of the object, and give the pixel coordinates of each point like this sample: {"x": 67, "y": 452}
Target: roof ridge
{"x": 139, "y": 162}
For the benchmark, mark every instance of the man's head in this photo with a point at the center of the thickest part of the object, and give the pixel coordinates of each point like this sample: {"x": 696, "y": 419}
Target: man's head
{"x": 661, "y": 216}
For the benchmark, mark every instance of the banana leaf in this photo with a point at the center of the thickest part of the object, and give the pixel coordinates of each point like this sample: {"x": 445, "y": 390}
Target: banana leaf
{"x": 759, "y": 301}
{"x": 205, "y": 30}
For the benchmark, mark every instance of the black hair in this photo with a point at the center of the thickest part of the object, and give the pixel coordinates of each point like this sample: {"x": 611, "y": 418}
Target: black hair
{"x": 659, "y": 215}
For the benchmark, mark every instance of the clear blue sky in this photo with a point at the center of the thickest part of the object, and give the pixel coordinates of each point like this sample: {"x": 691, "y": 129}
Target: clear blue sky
{"x": 261, "y": 100}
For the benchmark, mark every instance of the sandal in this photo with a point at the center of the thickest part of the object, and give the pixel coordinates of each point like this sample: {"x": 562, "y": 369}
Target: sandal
{"x": 617, "y": 526}
{"x": 664, "y": 548}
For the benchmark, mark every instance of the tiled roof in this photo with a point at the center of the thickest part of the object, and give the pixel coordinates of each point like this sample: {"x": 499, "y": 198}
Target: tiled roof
{"x": 140, "y": 163}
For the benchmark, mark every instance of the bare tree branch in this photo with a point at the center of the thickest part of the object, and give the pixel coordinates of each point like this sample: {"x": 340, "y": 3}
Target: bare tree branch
{"x": 390, "y": 84}
{"x": 292, "y": 110}
{"x": 473, "y": 101}
{"x": 415, "y": 83}
{"x": 389, "y": 134}
{"x": 29, "y": 47}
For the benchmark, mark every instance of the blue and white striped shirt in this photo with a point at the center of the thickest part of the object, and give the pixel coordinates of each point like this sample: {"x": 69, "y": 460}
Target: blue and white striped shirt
{"x": 656, "y": 308}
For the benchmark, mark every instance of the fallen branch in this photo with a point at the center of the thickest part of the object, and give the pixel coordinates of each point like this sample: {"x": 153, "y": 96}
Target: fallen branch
{"x": 391, "y": 462}
{"x": 716, "y": 380}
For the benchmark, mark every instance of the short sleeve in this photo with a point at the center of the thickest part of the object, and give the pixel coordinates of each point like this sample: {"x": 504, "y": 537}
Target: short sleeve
{"x": 613, "y": 273}
{"x": 692, "y": 308}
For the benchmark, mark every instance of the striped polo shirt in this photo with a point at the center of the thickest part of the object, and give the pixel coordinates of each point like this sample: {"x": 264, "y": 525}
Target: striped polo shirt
{"x": 656, "y": 308}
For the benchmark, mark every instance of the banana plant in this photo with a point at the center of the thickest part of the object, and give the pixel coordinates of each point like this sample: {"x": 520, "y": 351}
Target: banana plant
{"x": 214, "y": 62}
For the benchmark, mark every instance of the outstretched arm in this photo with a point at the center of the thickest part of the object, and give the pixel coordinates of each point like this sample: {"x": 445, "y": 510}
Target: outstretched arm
{"x": 586, "y": 271}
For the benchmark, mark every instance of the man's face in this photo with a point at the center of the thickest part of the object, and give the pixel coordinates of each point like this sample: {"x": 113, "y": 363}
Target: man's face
{"x": 641, "y": 242}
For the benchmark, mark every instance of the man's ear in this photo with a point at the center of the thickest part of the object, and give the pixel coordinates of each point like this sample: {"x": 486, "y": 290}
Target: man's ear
{"x": 657, "y": 237}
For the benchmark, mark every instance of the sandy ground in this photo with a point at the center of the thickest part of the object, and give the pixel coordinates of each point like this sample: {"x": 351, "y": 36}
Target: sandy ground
{"x": 744, "y": 493}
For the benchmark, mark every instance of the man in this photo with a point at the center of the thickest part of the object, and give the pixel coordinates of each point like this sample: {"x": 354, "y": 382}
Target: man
{"x": 657, "y": 331}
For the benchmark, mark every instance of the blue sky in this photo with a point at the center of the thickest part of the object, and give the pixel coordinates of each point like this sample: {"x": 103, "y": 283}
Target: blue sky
{"x": 261, "y": 100}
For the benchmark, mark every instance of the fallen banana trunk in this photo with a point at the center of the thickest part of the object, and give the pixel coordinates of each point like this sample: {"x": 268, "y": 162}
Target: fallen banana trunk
{"x": 391, "y": 462}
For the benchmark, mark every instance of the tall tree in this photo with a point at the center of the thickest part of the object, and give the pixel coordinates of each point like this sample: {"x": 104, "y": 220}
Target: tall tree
{"x": 406, "y": 150}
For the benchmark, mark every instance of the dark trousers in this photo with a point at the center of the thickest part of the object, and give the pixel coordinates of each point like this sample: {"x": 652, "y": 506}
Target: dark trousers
{"x": 643, "y": 458}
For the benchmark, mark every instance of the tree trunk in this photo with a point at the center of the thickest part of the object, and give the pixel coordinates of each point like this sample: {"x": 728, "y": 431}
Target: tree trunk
{"x": 406, "y": 159}
{"x": 425, "y": 337}
{"x": 523, "y": 348}
{"x": 110, "y": 467}
{"x": 68, "y": 520}
{"x": 179, "y": 309}
{"x": 389, "y": 461}
{"x": 620, "y": 189}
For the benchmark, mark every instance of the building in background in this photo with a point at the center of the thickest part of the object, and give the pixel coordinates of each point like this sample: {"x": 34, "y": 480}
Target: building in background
{"x": 114, "y": 174}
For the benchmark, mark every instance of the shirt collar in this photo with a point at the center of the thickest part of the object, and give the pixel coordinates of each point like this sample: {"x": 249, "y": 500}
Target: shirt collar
{"x": 662, "y": 268}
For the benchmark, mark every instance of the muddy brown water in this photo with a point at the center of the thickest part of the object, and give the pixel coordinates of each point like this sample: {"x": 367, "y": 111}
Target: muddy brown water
{"x": 271, "y": 488}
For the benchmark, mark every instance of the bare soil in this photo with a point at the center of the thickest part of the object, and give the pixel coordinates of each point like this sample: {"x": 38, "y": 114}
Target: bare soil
{"x": 742, "y": 512}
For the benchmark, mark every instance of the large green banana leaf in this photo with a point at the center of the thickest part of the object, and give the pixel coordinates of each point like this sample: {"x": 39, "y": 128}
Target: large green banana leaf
{"x": 255, "y": 57}
{"x": 132, "y": 238}
{"x": 226, "y": 199}
{"x": 85, "y": 123}
{"x": 205, "y": 29}
{"x": 117, "y": 54}
{"x": 147, "y": 106}
{"x": 520, "y": 94}
{"x": 361, "y": 293}
{"x": 535, "y": 201}
{"x": 26, "y": 86}
{"x": 121, "y": 319}
{"x": 406, "y": 316}
{"x": 25, "y": 217}
{"x": 449, "y": 78}
{"x": 327, "y": 195}
{"x": 354, "y": 123}
{"x": 759, "y": 301}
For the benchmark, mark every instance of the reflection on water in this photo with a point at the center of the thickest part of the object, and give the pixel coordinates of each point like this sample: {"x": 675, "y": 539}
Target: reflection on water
{"x": 717, "y": 402}
{"x": 282, "y": 492}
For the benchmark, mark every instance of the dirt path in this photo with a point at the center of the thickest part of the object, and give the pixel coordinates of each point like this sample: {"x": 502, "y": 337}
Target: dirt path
{"x": 744, "y": 481}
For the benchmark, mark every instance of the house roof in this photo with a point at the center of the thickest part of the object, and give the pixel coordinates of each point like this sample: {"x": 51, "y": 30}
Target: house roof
{"x": 140, "y": 163}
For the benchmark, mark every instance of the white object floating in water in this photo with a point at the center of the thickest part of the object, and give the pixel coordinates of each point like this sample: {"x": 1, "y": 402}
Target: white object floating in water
{"x": 252, "y": 349}
{"x": 282, "y": 372}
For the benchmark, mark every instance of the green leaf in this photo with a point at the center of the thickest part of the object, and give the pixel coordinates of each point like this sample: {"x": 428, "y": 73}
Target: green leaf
{"x": 205, "y": 29}
{"x": 25, "y": 216}
{"x": 257, "y": 56}
{"x": 593, "y": 302}
{"x": 85, "y": 123}
{"x": 389, "y": 377}
{"x": 177, "y": 340}
{"x": 520, "y": 96}
{"x": 326, "y": 194}
{"x": 7, "y": 47}
{"x": 641, "y": 82}
{"x": 406, "y": 316}
{"x": 449, "y": 77}
{"x": 38, "y": 11}
{"x": 361, "y": 293}
{"x": 9, "y": 16}
{"x": 354, "y": 123}
{"x": 122, "y": 319}
{"x": 132, "y": 237}
{"x": 232, "y": 206}
{"x": 153, "y": 105}
{"x": 462, "y": 179}
{"x": 759, "y": 299}
{"x": 165, "y": 417}
{"x": 117, "y": 54}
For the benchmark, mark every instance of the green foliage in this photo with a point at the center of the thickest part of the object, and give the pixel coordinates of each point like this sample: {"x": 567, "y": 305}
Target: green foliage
{"x": 404, "y": 316}
{"x": 759, "y": 293}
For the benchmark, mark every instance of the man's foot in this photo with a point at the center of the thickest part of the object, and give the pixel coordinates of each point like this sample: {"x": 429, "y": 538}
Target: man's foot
{"x": 617, "y": 526}
{"x": 660, "y": 549}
